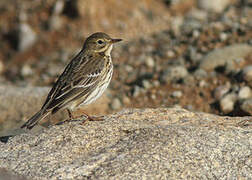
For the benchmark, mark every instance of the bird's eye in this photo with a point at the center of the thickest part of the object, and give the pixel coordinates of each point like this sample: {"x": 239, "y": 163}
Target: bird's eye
{"x": 100, "y": 41}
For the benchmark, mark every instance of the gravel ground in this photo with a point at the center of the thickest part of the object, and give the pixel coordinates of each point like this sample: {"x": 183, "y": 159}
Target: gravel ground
{"x": 192, "y": 54}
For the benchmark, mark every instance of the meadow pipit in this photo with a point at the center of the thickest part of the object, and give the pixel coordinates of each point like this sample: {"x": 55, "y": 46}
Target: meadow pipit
{"x": 84, "y": 79}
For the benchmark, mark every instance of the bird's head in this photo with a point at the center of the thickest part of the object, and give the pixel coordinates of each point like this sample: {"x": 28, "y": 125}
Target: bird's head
{"x": 100, "y": 43}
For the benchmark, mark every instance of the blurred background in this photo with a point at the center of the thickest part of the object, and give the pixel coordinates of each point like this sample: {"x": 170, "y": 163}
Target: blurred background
{"x": 195, "y": 54}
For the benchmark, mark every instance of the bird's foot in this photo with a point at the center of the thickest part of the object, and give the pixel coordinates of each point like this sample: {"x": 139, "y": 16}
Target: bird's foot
{"x": 93, "y": 118}
{"x": 87, "y": 117}
{"x": 70, "y": 115}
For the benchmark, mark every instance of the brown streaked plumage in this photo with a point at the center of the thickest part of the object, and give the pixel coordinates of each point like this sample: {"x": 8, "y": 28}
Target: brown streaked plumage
{"x": 84, "y": 79}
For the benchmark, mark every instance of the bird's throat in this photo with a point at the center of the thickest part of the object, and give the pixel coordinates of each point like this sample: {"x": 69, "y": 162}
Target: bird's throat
{"x": 108, "y": 51}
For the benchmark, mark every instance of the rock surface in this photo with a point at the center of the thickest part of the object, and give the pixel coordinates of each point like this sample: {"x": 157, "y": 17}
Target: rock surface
{"x": 247, "y": 105}
{"x": 226, "y": 56}
{"x": 213, "y": 5}
{"x": 5, "y": 174}
{"x": 247, "y": 74}
{"x": 12, "y": 99}
{"x": 148, "y": 143}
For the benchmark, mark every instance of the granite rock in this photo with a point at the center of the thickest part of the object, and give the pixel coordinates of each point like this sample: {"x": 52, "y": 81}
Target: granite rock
{"x": 149, "y": 143}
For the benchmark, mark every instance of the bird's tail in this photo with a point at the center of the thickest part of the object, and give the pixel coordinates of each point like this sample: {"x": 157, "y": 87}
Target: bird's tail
{"x": 35, "y": 119}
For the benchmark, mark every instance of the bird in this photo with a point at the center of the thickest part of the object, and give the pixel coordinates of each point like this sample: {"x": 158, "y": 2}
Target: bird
{"x": 83, "y": 80}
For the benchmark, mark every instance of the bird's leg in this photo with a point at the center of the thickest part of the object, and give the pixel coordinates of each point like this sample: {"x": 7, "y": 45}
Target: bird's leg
{"x": 92, "y": 118}
{"x": 70, "y": 115}
{"x": 89, "y": 118}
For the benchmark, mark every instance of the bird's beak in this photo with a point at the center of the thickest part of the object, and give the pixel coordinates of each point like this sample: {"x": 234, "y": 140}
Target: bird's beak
{"x": 115, "y": 40}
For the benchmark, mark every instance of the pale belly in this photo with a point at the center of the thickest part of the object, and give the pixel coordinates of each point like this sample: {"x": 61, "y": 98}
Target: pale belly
{"x": 94, "y": 95}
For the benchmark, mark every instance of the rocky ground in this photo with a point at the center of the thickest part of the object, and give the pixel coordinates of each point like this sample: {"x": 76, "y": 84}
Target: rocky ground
{"x": 149, "y": 143}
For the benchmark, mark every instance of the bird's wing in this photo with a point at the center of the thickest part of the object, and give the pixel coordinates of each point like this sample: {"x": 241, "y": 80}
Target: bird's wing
{"x": 81, "y": 74}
